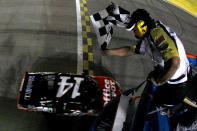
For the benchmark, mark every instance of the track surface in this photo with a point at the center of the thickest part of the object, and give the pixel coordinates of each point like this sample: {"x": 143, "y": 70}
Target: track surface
{"x": 41, "y": 35}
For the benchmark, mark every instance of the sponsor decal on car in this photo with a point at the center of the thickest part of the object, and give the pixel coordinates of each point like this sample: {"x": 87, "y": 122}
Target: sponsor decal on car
{"x": 29, "y": 86}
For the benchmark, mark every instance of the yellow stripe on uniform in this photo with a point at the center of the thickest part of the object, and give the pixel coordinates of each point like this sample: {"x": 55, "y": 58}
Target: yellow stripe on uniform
{"x": 190, "y": 102}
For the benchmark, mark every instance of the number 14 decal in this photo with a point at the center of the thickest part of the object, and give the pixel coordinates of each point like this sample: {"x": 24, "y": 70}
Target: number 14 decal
{"x": 65, "y": 86}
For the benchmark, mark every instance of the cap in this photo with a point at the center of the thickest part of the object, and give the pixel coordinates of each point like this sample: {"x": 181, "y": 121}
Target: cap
{"x": 139, "y": 14}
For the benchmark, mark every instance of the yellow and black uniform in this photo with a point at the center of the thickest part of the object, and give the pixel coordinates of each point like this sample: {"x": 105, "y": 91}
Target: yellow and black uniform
{"x": 161, "y": 45}
{"x": 164, "y": 43}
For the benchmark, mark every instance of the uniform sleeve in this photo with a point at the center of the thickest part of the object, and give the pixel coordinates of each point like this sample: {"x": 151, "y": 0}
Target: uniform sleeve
{"x": 137, "y": 48}
{"x": 164, "y": 43}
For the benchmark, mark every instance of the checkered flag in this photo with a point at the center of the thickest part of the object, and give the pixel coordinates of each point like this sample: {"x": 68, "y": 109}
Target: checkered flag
{"x": 104, "y": 21}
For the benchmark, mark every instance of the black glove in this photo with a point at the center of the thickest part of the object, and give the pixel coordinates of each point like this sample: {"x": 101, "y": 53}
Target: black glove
{"x": 104, "y": 46}
{"x": 175, "y": 109}
{"x": 186, "y": 104}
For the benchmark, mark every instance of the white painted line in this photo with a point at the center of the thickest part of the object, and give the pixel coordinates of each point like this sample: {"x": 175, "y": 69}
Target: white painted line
{"x": 79, "y": 39}
{"x": 121, "y": 113}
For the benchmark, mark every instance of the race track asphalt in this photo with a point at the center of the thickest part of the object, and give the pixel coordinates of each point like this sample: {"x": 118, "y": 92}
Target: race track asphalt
{"x": 41, "y": 35}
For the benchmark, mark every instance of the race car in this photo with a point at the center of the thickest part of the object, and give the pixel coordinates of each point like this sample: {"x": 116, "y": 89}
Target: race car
{"x": 79, "y": 95}
{"x": 66, "y": 94}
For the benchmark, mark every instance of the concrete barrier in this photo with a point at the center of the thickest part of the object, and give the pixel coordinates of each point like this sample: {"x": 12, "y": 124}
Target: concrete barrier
{"x": 188, "y": 5}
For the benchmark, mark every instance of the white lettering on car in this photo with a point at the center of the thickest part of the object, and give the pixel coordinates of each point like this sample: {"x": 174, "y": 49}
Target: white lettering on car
{"x": 65, "y": 86}
{"x": 109, "y": 91}
{"x": 29, "y": 86}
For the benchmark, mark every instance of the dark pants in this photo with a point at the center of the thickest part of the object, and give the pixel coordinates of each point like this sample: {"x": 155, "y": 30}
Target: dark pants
{"x": 170, "y": 94}
{"x": 150, "y": 99}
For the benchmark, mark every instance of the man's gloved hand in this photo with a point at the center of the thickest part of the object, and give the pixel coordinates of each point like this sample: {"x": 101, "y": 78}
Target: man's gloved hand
{"x": 104, "y": 50}
{"x": 171, "y": 111}
{"x": 152, "y": 77}
{"x": 104, "y": 46}
{"x": 186, "y": 104}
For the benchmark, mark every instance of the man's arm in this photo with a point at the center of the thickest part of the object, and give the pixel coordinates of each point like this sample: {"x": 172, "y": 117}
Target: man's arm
{"x": 170, "y": 68}
{"x": 122, "y": 51}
